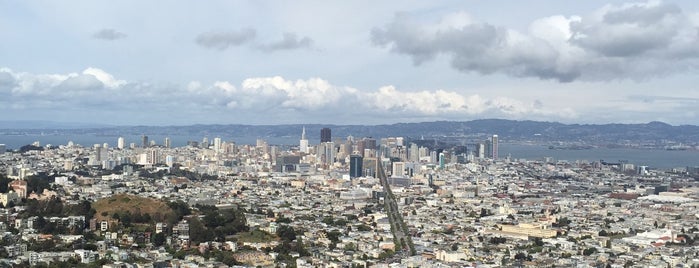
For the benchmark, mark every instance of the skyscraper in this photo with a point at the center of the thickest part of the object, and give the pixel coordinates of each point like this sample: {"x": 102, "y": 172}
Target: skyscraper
{"x": 217, "y": 144}
{"x": 495, "y": 147}
{"x": 356, "y": 162}
{"x": 167, "y": 143}
{"x": 325, "y": 135}
{"x": 205, "y": 143}
{"x": 144, "y": 141}
{"x": 120, "y": 143}
{"x": 441, "y": 161}
{"x": 303, "y": 143}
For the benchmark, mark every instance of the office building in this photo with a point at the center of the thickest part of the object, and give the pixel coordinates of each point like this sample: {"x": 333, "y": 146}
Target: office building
{"x": 494, "y": 144}
{"x": 167, "y": 143}
{"x": 121, "y": 143}
{"x": 287, "y": 163}
{"x": 3, "y": 148}
{"x": 356, "y": 164}
{"x": 205, "y": 143}
{"x": 217, "y": 144}
{"x": 441, "y": 161}
{"x": 398, "y": 169}
{"x": 325, "y": 135}
{"x": 144, "y": 141}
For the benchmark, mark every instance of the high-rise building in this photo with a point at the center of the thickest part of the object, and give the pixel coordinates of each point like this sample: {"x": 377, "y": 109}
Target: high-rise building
{"x": 205, "y": 143}
{"x": 441, "y": 161}
{"x": 287, "y": 163}
{"x": 303, "y": 143}
{"x": 121, "y": 143}
{"x": 326, "y": 153}
{"x": 488, "y": 148}
{"x": 325, "y": 135}
{"x": 494, "y": 144}
{"x": 3, "y": 148}
{"x": 167, "y": 143}
{"x": 356, "y": 162}
{"x": 414, "y": 152}
{"x": 481, "y": 150}
{"x": 398, "y": 169}
{"x": 217, "y": 144}
{"x": 144, "y": 141}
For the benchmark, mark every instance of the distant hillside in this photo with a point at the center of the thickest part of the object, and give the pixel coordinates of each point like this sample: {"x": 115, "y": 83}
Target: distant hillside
{"x": 42, "y": 124}
{"x": 506, "y": 129}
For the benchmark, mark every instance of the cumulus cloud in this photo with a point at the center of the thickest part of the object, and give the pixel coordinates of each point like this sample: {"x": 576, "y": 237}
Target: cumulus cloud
{"x": 108, "y": 34}
{"x": 615, "y": 42}
{"x": 224, "y": 40}
{"x": 289, "y": 41}
{"x": 313, "y": 98}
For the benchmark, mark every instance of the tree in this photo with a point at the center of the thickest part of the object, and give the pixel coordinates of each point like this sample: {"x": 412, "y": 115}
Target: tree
{"x": 198, "y": 232}
{"x": 589, "y": 251}
{"x": 4, "y": 183}
{"x": 286, "y": 233}
{"x": 158, "y": 239}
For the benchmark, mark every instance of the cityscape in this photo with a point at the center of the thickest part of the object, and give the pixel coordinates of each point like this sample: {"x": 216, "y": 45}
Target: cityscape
{"x": 348, "y": 134}
{"x": 337, "y": 202}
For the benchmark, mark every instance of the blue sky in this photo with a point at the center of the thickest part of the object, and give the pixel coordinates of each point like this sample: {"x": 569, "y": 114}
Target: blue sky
{"x": 348, "y": 62}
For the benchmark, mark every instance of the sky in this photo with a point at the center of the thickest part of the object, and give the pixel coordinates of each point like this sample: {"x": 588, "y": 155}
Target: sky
{"x": 348, "y": 62}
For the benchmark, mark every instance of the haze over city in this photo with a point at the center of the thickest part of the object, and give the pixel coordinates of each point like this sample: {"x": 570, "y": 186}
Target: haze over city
{"x": 358, "y": 62}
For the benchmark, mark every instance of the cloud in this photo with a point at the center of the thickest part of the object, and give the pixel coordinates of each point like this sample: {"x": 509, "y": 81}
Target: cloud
{"x": 109, "y": 35}
{"x": 276, "y": 98}
{"x": 105, "y": 78}
{"x": 224, "y": 40}
{"x": 289, "y": 41}
{"x": 633, "y": 41}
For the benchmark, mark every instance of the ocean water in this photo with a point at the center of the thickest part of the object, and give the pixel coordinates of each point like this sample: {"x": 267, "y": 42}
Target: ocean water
{"x": 16, "y": 141}
{"x": 660, "y": 159}
{"x": 656, "y": 158}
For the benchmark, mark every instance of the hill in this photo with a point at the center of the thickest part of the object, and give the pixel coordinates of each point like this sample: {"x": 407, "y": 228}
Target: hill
{"x": 510, "y": 130}
{"x": 135, "y": 205}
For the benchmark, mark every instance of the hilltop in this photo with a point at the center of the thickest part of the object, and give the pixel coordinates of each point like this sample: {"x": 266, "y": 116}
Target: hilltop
{"x": 135, "y": 205}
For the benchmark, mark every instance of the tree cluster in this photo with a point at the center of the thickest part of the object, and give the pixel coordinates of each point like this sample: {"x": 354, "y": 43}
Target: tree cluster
{"x": 217, "y": 224}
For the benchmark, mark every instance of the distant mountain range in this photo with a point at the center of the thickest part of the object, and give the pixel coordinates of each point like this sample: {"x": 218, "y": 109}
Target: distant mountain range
{"x": 653, "y": 132}
{"x": 45, "y": 124}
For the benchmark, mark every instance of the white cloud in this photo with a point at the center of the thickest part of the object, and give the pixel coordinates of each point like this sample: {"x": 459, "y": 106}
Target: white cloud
{"x": 312, "y": 98}
{"x": 634, "y": 41}
{"x": 104, "y": 77}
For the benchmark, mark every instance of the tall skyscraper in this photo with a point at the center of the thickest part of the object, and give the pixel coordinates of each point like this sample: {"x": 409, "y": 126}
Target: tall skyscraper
{"x": 495, "y": 147}
{"x": 325, "y": 135}
{"x": 303, "y": 143}
{"x": 121, "y": 143}
{"x": 217, "y": 144}
{"x": 441, "y": 161}
{"x": 167, "y": 143}
{"x": 356, "y": 162}
{"x": 144, "y": 141}
{"x": 481, "y": 150}
{"x": 3, "y": 148}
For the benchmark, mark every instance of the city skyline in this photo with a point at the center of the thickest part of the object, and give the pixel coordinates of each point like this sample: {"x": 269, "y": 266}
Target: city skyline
{"x": 268, "y": 63}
